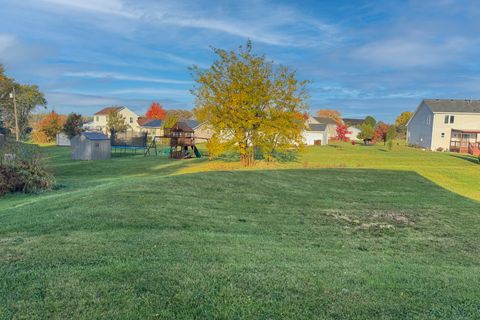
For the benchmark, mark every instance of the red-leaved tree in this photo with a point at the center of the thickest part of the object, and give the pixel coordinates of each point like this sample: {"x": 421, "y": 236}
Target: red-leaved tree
{"x": 381, "y": 132}
{"x": 342, "y": 132}
{"x": 155, "y": 111}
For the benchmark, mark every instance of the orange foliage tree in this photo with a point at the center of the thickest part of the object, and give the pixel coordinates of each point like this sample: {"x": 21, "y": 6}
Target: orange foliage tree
{"x": 330, "y": 113}
{"x": 155, "y": 111}
{"x": 46, "y": 129}
{"x": 381, "y": 132}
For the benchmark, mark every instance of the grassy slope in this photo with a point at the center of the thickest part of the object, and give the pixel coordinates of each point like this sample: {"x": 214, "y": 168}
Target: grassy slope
{"x": 124, "y": 238}
{"x": 456, "y": 172}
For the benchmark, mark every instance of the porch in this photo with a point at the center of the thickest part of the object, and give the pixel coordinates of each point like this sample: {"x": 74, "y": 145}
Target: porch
{"x": 465, "y": 141}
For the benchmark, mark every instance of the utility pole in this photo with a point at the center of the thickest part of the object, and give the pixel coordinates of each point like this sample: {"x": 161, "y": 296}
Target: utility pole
{"x": 17, "y": 131}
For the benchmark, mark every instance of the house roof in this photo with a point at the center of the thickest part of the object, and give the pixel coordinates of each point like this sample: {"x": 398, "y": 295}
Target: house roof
{"x": 353, "y": 122}
{"x": 317, "y": 126}
{"x": 325, "y": 120}
{"x": 148, "y": 122}
{"x": 153, "y": 123}
{"x": 192, "y": 123}
{"x": 106, "y": 111}
{"x": 182, "y": 126}
{"x": 453, "y": 105}
{"x": 94, "y": 136}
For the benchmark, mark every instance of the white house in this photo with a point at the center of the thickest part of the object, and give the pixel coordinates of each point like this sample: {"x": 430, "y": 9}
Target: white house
{"x": 316, "y": 133}
{"x": 100, "y": 118}
{"x": 354, "y": 132}
{"x": 446, "y": 124}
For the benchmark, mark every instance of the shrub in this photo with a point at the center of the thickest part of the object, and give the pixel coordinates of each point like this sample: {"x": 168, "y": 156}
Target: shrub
{"x": 215, "y": 147}
{"x": 439, "y": 149}
{"x": 22, "y": 169}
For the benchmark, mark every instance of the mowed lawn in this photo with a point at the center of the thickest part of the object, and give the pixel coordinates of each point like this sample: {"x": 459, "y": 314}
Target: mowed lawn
{"x": 138, "y": 238}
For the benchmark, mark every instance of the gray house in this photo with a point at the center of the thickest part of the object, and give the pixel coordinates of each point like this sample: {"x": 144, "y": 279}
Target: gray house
{"x": 446, "y": 124}
{"x": 91, "y": 146}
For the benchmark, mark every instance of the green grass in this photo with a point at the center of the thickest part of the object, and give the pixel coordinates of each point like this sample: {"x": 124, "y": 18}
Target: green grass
{"x": 135, "y": 238}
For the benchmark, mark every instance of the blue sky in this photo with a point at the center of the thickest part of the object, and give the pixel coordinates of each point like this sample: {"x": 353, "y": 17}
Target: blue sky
{"x": 363, "y": 57}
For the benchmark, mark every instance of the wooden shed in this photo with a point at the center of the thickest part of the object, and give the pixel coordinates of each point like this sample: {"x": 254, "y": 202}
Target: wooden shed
{"x": 91, "y": 146}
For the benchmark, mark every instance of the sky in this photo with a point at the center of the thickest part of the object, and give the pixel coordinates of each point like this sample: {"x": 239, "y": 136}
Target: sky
{"x": 362, "y": 57}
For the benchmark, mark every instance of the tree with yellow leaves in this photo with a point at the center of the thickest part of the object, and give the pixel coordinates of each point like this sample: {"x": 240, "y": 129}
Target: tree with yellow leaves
{"x": 251, "y": 103}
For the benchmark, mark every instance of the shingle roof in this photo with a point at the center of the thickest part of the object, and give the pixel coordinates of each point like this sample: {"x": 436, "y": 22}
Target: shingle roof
{"x": 153, "y": 123}
{"x": 353, "y": 122}
{"x": 317, "y": 126}
{"x": 325, "y": 120}
{"x": 106, "y": 111}
{"x": 191, "y": 123}
{"x": 453, "y": 105}
{"x": 182, "y": 126}
{"x": 95, "y": 136}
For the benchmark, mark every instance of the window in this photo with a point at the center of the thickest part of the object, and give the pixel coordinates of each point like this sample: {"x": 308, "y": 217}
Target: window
{"x": 97, "y": 117}
{"x": 443, "y": 135}
{"x": 428, "y": 119}
{"x": 449, "y": 119}
{"x": 131, "y": 120}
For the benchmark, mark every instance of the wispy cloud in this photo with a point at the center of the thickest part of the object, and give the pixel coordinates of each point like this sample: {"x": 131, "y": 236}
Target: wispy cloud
{"x": 412, "y": 51}
{"x": 122, "y": 77}
{"x": 151, "y": 92}
{"x": 299, "y": 30}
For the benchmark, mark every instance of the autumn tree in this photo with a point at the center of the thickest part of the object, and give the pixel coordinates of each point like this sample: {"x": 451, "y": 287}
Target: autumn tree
{"x": 116, "y": 122}
{"x": 330, "y": 113}
{"x": 381, "y": 131}
{"x": 390, "y": 136}
{"x": 73, "y": 125}
{"x": 251, "y": 102}
{"x": 27, "y": 98}
{"x": 366, "y": 132}
{"x": 342, "y": 132}
{"x": 179, "y": 114}
{"x": 215, "y": 147}
{"x": 370, "y": 121}
{"x": 46, "y": 129}
{"x": 156, "y": 111}
{"x": 401, "y": 122}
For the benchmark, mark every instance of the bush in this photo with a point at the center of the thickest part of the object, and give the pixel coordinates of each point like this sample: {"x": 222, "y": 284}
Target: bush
{"x": 215, "y": 147}
{"x": 22, "y": 169}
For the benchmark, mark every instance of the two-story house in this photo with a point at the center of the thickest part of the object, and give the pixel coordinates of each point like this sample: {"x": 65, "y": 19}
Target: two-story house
{"x": 100, "y": 119}
{"x": 446, "y": 124}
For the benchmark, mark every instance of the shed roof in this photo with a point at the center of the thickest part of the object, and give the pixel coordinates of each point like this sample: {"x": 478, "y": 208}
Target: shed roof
{"x": 106, "y": 111}
{"x": 95, "y": 136}
{"x": 317, "y": 126}
{"x": 453, "y": 105}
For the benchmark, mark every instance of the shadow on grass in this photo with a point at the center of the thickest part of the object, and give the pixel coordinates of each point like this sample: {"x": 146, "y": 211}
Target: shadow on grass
{"x": 467, "y": 157}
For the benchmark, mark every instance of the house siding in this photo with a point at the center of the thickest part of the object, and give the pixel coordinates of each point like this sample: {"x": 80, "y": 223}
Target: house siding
{"x": 420, "y": 127}
{"x": 463, "y": 121}
{"x": 100, "y": 121}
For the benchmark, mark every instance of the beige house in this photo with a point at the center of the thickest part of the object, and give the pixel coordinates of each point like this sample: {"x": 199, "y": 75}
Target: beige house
{"x": 101, "y": 117}
{"x": 446, "y": 124}
{"x": 202, "y": 130}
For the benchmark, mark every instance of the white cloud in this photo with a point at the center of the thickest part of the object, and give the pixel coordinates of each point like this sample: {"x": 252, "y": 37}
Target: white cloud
{"x": 282, "y": 26}
{"x": 7, "y": 41}
{"x": 152, "y": 92}
{"x": 412, "y": 51}
{"x": 118, "y": 76}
